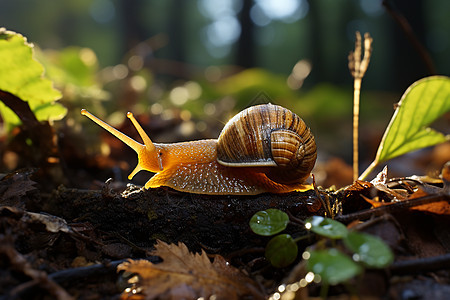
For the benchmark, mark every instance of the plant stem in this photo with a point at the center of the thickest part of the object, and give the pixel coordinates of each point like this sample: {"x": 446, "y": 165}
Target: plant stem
{"x": 358, "y": 68}
{"x": 303, "y": 237}
{"x": 369, "y": 169}
{"x": 324, "y": 290}
{"x": 356, "y": 97}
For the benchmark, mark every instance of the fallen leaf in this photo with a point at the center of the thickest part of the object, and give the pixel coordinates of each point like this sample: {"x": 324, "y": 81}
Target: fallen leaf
{"x": 14, "y": 186}
{"x": 352, "y": 196}
{"x": 381, "y": 177}
{"x": 184, "y": 275}
{"x": 359, "y": 186}
{"x": 375, "y": 202}
{"x": 380, "y": 182}
{"x": 418, "y": 188}
{"x": 441, "y": 207}
{"x": 445, "y": 174}
{"x": 52, "y": 223}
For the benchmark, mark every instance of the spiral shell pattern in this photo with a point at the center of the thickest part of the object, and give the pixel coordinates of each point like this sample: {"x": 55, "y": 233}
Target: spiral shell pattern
{"x": 271, "y": 137}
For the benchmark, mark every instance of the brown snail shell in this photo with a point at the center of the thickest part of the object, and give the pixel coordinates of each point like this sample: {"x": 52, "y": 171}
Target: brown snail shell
{"x": 265, "y": 148}
{"x": 271, "y": 137}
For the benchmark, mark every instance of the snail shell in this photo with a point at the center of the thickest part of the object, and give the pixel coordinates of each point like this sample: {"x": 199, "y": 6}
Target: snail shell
{"x": 269, "y": 136}
{"x": 265, "y": 148}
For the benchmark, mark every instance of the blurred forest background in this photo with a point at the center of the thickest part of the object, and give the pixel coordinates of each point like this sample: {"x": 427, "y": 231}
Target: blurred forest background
{"x": 200, "y": 61}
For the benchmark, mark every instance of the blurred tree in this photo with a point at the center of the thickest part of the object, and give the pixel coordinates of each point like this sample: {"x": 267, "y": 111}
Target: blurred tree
{"x": 132, "y": 29}
{"x": 269, "y": 34}
{"x": 409, "y": 47}
{"x": 246, "y": 52}
{"x": 176, "y": 30}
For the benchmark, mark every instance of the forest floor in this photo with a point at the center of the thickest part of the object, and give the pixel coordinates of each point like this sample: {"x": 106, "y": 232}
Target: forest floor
{"x": 58, "y": 242}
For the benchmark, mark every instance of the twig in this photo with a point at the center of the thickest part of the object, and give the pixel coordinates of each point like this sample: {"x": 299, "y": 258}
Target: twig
{"x": 391, "y": 208}
{"x": 404, "y": 25}
{"x": 421, "y": 265}
{"x": 294, "y": 219}
{"x": 71, "y": 275}
{"x": 358, "y": 68}
{"x": 19, "y": 262}
{"x": 325, "y": 203}
{"x": 76, "y": 274}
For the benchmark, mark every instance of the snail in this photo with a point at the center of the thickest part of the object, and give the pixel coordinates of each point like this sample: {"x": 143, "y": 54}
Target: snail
{"x": 264, "y": 148}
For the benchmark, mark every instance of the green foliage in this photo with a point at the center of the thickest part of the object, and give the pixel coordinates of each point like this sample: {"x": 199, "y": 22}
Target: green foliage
{"x": 22, "y": 75}
{"x": 333, "y": 266}
{"x": 75, "y": 70}
{"x": 326, "y": 227}
{"x": 368, "y": 249}
{"x": 72, "y": 65}
{"x": 281, "y": 250}
{"x": 327, "y": 102}
{"x": 269, "y": 222}
{"x": 246, "y": 87}
{"x": 423, "y": 102}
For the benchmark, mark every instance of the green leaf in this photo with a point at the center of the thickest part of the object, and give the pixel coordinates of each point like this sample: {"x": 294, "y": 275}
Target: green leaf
{"x": 370, "y": 250}
{"x": 333, "y": 266}
{"x": 247, "y": 85}
{"x": 281, "y": 250}
{"x": 48, "y": 111}
{"x": 73, "y": 65}
{"x": 22, "y": 75}
{"x": 326, "y": 227}
{"x": 269, "y": 222}
{"x": 422, "y": 103}
{"x": 9, "y": 117}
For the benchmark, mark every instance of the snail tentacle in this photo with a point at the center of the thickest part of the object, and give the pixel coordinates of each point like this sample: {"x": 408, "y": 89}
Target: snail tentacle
{"x": 264, "y": 148}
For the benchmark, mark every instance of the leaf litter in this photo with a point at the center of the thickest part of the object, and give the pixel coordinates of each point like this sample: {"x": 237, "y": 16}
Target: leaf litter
{"x": 413, "y": 188}
{"x": 185, "y": 275}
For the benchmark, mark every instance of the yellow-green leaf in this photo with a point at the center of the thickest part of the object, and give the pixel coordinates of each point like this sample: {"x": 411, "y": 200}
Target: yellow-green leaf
{"x": 422, "y": 103}
{"x": 23, "y": 76}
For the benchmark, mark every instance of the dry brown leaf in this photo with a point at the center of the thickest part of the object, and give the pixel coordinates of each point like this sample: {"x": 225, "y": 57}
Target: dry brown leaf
{"x": 375, "y": 202}
{"x": 184, "y": 275}
{"x": 359, "y": 186}
{"x": 14, "y": 186}
{"x": 421, "y": 189}
{"x": 440, "y": 208}
{"x": 445, "y": 174}
{"x": 52, "y": 223}
{"x": 380, "y": 181}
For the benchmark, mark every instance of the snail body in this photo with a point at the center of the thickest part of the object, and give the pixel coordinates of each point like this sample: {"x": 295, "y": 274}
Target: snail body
{"x": 264, "y": 148}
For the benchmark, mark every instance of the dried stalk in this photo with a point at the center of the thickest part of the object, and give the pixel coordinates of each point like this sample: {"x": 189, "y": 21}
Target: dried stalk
{"x": 358, "y": 68}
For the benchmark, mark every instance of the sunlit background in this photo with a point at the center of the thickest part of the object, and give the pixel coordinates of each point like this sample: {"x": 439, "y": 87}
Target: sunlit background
{"x": 211, "y": 58}
{"x": 272, "y": 34}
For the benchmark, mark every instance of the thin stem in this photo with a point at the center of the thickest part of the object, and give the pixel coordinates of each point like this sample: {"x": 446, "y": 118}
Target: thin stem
{"x": 326, "y": 202}
{"x": 303, "y": 237}
{"x": 358, "y": 68}
{"x": 324, "y": 290}
{"x": 369, "y": 170}
{"x": 356, "y": 97}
